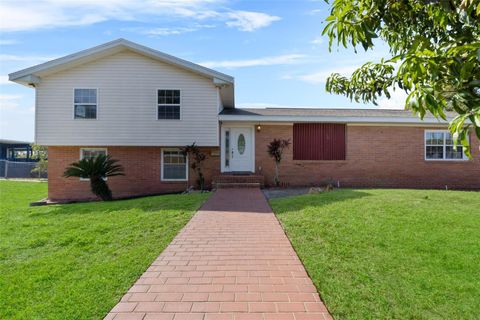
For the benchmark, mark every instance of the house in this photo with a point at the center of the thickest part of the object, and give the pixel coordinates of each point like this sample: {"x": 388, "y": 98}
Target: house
{"x": 14, "y": 150}
{"x": 16, "y": 159}
{"x": 140, "y": 105}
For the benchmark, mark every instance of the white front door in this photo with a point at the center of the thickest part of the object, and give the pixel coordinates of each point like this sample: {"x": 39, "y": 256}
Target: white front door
{"x": 240, "y": 149}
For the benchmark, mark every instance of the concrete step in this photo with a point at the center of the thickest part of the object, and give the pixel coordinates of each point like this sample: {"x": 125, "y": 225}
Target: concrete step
{"x": 238, "y": 179}
{"x": 230, "y": 185}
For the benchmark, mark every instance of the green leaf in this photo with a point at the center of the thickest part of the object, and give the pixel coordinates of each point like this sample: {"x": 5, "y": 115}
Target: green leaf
{"x": 475, "y": 119}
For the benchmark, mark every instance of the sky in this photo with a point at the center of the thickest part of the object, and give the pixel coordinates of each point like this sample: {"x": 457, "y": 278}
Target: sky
{"x": 273, "y": 48}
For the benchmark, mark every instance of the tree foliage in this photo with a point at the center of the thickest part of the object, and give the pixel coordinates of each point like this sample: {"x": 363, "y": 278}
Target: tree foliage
{"x": 275, "y": 150}
{"x": 97, "y": 169}
{"x": 40, "y": 153}
{"x": 197, "y": 157}
{"x": 435, "y": 56}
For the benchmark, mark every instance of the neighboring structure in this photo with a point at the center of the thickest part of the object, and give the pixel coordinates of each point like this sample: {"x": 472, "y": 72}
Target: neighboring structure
{"x": 14, "y": 150}
{"x": 140, "y": 105}
{"x": 16, "y": 159}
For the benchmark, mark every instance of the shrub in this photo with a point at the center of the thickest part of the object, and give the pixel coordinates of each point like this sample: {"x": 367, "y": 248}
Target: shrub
{"x": 97, "y": 169}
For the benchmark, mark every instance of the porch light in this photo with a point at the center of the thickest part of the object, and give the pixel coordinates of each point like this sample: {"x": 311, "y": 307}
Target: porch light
{"x": 259, "y": 127}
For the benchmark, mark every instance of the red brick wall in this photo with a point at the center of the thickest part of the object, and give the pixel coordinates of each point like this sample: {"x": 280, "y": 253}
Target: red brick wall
{"x": 142, "y": 173}
{"x": 376, "y": 156}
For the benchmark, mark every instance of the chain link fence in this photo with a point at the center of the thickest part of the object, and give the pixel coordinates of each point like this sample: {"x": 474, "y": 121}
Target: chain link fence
{"x": 16, "y": 169}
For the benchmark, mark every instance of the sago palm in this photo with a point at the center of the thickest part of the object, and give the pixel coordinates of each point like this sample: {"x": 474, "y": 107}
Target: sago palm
{"x": 96, "y": 169}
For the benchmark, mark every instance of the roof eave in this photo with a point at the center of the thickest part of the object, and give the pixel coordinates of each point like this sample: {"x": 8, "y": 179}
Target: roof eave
{"x": 18, "y": 75}
{"x": 333, "y": 119}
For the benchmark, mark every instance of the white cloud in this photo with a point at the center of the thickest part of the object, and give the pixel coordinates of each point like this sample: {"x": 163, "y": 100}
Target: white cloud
{"x": 13, "y": 62}
{"x": 18, "y": 58}
{"x": 317, "y": 41}
{"x": 321, "y": 76}
{"x": 9, "y": 101}
{"x": 396, "y": 101}
{"x": 168, "y": 31}
{"x": 176, "y": 30}
{"x": 4, "y": 80}
{"x": 315, "y": 11}
{"x": 6, "y": 42}
{"x": 265, "y": 61}
{"x": 36, "y": 14}
{"x": 263, "y": 105}
{"x": 250, "y": 21}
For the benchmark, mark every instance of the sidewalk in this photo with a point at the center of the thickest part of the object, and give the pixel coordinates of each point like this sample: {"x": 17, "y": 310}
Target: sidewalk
{"x": 231, "y": 261}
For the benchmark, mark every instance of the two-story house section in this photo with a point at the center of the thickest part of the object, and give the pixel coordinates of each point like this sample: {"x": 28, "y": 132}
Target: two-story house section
{"x": 134, "y": 103}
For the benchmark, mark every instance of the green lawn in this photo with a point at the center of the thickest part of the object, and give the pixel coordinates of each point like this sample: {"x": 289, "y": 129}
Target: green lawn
{"x": 385, "y": 254}
{"x": 75, "y": 261}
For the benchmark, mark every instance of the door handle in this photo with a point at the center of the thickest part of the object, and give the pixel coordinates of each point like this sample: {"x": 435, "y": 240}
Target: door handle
{"x": 232, "y": 152}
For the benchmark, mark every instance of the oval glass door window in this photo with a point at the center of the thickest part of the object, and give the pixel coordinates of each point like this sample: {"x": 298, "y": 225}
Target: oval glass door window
{"x": 241, "y": 143}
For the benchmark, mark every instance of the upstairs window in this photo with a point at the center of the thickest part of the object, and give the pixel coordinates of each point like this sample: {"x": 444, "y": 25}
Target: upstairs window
{"x": 318, "y": 141}
{"x": 169, "y": 104}
{"x": 85, "y": 103}
{"x": 439, "y": 146}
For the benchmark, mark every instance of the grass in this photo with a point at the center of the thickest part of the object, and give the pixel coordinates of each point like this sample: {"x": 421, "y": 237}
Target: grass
{"x": 76, "y": 261}
{"x": 389, "y": 254}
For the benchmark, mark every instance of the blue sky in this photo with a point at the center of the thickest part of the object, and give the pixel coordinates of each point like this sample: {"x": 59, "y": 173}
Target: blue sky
{"x": 274, "y": 49}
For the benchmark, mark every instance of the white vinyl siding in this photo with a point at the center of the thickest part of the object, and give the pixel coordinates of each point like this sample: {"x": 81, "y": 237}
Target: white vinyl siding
{"x": 127, "y": 112}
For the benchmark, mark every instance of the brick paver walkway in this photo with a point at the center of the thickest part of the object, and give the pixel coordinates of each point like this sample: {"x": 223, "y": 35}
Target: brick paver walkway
{"x": 232, "y": 261}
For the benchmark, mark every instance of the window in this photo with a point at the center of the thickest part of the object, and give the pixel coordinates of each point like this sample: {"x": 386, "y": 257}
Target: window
{"x": 92, "y": 153}
{"x": 439, "y": 146}
{"x": 318, "y": 141}
{"x": 174, "y": 166}
{"x": 227, "y": 148}
{"x": 169, "y": 104}
{"x": 17, "y": 153}
{"x": 85, "y": 103}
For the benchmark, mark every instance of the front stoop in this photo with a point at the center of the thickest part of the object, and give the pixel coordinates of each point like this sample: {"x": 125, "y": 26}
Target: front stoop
{"x": 238, "y": 181}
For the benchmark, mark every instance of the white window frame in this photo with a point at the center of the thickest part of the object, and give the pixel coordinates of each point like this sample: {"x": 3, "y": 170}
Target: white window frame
{"x": 162, "y": 161}
{"x": 444, "y": 145}
{"x": 89, "y": 104}
{"x": 179, "y": 105}
{"x": 96, "y": 149}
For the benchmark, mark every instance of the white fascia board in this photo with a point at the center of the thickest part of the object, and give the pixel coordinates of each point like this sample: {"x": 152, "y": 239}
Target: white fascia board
{"x": 28, "y": 80}
{"x": 330, "y": 119}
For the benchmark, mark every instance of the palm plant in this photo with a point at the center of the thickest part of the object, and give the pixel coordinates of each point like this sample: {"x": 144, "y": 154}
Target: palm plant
{"x": 275, "y": 150}
{"x": 96, "y": 169}
{"x": 197, "y": 156}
